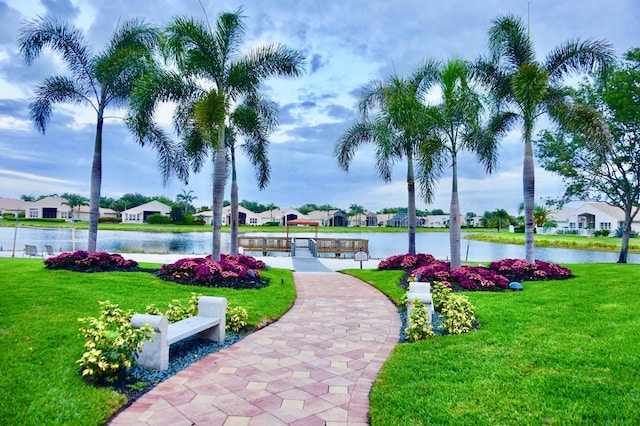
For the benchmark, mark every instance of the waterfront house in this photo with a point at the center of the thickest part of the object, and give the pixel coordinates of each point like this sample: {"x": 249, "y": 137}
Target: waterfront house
{"x": 140, "y": 213}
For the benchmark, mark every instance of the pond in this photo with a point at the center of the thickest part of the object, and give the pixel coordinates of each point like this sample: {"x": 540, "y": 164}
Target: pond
{"x": 381, "y": 245}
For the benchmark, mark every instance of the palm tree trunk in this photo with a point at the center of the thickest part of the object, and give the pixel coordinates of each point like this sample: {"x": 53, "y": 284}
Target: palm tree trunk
{"x": 219, "y": 177}
{"x": 626, "y": 233}
{"x": 454, "y": 223}
{"x": 234, "y": 205}
{"x": 96, "y": 182}
{"x": 528, "y": 186}
{"x": 411, "y": 205}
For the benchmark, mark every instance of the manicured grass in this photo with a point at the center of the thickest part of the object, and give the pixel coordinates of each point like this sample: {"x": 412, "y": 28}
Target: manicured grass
{"x": 40, "y": 343}
{"x": 562, "y": 241}
{"x": 560, "y": 352}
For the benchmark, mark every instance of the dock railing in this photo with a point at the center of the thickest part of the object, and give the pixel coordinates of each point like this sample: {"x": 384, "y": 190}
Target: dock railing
{"x": 317, "y": 246}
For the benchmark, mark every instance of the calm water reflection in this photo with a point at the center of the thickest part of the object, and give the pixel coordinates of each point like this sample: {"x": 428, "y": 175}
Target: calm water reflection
{"x": 381, "y": 245}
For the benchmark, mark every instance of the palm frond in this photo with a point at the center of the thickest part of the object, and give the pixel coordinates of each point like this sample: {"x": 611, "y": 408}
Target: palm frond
{"x": 347, "y": 144}
{"x": 371, "y": 96}
{"x": 577, "y": 56}
{"x": 508, "y": 39}
{"x": 65, "y": 39}
{"x": 56, "y": 89}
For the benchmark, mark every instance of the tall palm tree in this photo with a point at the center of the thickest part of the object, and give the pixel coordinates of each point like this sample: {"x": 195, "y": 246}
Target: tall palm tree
{"x": 100, "y": 80}
{"x": 254, "y": 119}
{"x": 456, "y": 124}
{"x": 356, "y": 210}
{"x": 501, "y": 216}
{"x": 388, "y": 112}
{"x": 213, "y": 79}
{"x": 186, "y": 198}
{"x": 528, "y": 88}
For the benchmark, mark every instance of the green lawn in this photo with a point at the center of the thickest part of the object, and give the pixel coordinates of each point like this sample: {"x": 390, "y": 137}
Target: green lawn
{"x": 560, "y": 352}
{"x": 40, "y": 344}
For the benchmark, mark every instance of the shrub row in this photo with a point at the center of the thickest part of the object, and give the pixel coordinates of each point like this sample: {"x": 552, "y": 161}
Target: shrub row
{"x": 83, "y": 261}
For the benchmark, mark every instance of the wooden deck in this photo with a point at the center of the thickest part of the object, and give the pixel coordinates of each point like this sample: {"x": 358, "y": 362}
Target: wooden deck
{"x": 336, "y": 246}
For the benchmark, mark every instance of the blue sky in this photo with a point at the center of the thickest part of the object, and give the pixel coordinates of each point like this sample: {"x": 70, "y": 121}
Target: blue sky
{"x": 346, "y": 42}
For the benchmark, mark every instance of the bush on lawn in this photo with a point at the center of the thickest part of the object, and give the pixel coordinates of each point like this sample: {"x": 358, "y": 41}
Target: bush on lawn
{"x": 406, "y": 261}
{"x": 83, "y": 261}
{"x": 521, "y": 270}
{"x": 111, "y": 343}
{"x": 233, "y": 271}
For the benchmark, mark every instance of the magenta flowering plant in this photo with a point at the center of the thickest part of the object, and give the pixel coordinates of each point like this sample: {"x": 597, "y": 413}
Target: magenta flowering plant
{"x": 406, "y": 261}
{"x": 233, "y": 271}
{"x": 83, "y": 261}
{"x": 478, "y": 278}
{"x": 521, "y": 270}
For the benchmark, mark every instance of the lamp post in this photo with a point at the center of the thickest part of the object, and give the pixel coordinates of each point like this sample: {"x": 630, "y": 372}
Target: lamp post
{"x": 15, "y": 233}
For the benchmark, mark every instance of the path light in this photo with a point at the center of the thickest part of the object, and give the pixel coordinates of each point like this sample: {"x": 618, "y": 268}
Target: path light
{"x": 516, "y": 286}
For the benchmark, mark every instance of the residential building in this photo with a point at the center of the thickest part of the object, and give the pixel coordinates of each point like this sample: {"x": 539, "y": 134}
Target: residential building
{"x": 140, "y": 213}
{"x": 586, "y": 217}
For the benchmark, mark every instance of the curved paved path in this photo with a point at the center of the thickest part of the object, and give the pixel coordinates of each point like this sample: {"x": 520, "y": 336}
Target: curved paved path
{"x": 314, "y": 366}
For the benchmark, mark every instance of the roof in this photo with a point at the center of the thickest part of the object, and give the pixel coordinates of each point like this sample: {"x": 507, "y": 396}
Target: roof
{"x": 302, "y": 222}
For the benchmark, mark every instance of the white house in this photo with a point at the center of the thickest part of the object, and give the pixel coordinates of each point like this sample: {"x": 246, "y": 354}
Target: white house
{"x": 11, "y": 205}
{"x": 140, "y": 213}
{"x": 585, "y": 217}
{"x": 245, "y": 217}
{"x": 48, "y": 208}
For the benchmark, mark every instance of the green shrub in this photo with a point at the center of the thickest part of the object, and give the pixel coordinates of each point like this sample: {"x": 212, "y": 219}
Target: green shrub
{"x": 158, "y": 219}
{"x": 440, "y": 292}
{"x": 111, "y": 343}
{"x": 52, "y": 220}
{"x": 602, "y": 233}
{"x": 419, "y": 327}
{"x": 274, "y": 223}
{"x": 176, "y": 311}
{"x": 109, "y": 219}
{"x": 458, "y": 313}
{"x": 236, "y": 318}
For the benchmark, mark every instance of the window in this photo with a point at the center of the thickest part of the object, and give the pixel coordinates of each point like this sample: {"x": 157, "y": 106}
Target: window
{"x": 605, "y": 225}
{"x": 253, "y": 221}
{"x": 63, "y": 215}
{"x": 572, "y": 225}
{"x": 33, "y": 213}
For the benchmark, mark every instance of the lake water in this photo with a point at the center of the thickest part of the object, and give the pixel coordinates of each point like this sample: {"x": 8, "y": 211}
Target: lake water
{"x": 381, "y": 245}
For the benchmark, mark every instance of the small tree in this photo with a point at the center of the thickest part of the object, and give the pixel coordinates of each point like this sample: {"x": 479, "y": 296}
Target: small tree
{"x": 614, "y": 174}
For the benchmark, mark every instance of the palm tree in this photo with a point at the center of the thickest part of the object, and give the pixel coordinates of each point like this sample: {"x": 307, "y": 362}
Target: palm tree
{"x": 541, "y": 215}
{"x": 388, "y": 112}
{"x": 186, "y": 198}
{"x": 456, "y": 124}
{"x": 213, "y": 79}
{"x": 527, "y": 88}
{"x": 101, "y": 80}
{"x": 254, "y": 119}
{"x": 356, "y": 210}
{"x": 500, "y": 216}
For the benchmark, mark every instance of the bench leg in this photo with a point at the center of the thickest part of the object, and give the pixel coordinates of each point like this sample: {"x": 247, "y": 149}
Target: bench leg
{"x": 154, "y": 354}
{"x": 215, "y": 307}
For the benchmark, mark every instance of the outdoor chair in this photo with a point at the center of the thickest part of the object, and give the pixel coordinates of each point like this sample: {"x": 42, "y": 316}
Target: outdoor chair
{"x": 49, "y": 250}
{"x": 30, "y": 251}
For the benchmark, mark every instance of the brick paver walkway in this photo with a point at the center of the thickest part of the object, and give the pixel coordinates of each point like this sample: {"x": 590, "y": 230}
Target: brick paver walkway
{"x": 315, "y": 366}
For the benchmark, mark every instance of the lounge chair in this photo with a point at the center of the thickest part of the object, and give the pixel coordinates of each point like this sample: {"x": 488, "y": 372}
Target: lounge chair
{"x": 48, "y": 251}
{"x": 30, "y": 251}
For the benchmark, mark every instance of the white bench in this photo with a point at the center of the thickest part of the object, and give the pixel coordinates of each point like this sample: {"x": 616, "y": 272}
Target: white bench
{"x": 209, "y": 324}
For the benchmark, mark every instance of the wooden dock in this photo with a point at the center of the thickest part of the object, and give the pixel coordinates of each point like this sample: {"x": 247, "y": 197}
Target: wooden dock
{"x": 317, "y": 246}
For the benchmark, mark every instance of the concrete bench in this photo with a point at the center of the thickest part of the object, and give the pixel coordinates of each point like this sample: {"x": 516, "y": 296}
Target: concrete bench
{"x": 422, "y": 292}
{"x": 209, "y": 324}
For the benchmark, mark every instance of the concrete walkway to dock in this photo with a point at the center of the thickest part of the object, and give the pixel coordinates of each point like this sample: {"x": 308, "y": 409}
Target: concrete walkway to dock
{"x": 314, "y": 366}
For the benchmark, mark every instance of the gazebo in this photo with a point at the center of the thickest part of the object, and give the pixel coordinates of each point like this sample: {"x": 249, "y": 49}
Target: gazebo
{"x": 303, "y": 222}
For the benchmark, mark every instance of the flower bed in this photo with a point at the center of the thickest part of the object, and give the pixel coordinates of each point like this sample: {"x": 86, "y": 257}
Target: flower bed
{"x": 521, "y": 270}
{"x": 83, "y": 261}
{"x": 497, "y": 276}
{"x": 237, "y": 272}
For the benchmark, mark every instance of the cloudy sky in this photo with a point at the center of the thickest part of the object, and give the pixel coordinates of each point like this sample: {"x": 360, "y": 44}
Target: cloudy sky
{"x": 346, "y": 42}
